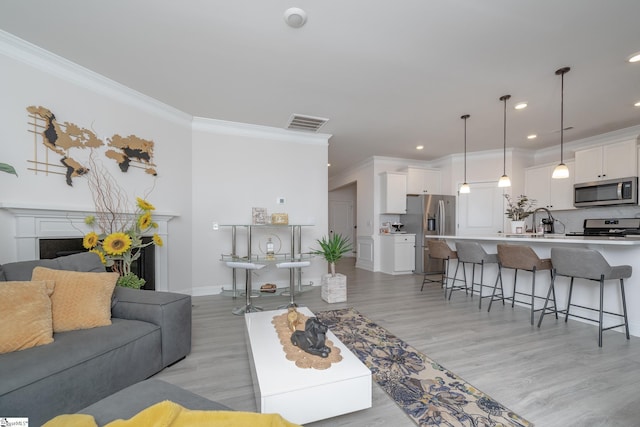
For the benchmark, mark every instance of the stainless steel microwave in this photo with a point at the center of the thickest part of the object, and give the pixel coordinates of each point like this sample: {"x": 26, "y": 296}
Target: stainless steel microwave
{"x": 621, "y": 191}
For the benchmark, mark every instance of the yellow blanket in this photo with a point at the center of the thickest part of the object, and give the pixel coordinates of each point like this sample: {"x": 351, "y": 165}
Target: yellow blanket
{"x": 170, "y": 414}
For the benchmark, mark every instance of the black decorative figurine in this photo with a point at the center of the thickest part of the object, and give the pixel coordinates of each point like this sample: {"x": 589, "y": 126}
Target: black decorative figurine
{"x": 312, "y": 338}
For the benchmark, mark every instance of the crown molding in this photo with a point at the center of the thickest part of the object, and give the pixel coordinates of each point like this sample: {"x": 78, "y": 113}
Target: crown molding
{"x": 50, "y": 63}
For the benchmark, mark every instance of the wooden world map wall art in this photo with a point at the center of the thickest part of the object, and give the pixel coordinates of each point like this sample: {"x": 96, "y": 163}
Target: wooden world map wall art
{"x": 63, "y": 138}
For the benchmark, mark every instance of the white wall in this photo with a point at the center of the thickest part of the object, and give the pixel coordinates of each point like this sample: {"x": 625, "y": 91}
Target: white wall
{"x": 237, "y": 167}
{"x": 215, "y": 173}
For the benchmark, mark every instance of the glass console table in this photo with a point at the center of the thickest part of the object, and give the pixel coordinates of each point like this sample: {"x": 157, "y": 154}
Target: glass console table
{"x": 255, "y": 260}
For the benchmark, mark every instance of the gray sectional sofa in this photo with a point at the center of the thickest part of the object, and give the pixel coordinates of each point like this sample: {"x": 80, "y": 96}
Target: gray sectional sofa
{"x": 150, "y": 330}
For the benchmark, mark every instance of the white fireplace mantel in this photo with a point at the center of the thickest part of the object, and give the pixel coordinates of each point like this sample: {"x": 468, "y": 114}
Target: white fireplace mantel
{"x": 35, "y": 222}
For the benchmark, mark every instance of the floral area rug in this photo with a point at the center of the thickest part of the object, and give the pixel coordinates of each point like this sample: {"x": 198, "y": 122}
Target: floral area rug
{"x": 428, "y": 393}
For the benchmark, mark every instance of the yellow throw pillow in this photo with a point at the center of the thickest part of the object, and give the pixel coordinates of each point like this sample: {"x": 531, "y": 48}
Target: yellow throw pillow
{"x": 80, "y": 300}
{"x": 25, "y": 315}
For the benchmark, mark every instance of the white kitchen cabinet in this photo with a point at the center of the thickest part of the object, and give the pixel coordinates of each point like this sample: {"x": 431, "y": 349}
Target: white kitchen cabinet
{"x": 610, "y": 161}
{"x": 393, "y": 193}
{"x": 397, "y": 253}
{"x": 423, "y": 181}
{"x": 553, "y": 194}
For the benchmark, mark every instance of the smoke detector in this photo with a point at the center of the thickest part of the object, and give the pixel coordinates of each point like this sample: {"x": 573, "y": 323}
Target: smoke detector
{"x": 295, "y": 17}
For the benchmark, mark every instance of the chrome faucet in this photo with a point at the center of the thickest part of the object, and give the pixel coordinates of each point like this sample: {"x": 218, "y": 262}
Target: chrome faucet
{"x": 548, "y": 227}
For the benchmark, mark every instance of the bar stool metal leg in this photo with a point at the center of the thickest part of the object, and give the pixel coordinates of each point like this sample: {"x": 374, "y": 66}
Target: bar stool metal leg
{"x": 248, "y": 267}
{"x": 293, "y": 266}
{"x": 248, "y": 307}
{"x": 624, "y": 308}
{"x": 495, "y": 287}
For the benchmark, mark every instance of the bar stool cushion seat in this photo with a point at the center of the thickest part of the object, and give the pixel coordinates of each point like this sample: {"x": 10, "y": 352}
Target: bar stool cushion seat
{"x": 245, "y": 265}
{"x": 293, "y": 264}
{"x": 586, "y": 264}
{"x": 473, "y": 252}
{"x": 522, "y": 258}
{"x": 439, "y": 249}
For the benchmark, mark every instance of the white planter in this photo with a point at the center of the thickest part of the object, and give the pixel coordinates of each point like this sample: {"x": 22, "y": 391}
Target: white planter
{"x": 517, "y": 227}
{"x": 334, "y": 288}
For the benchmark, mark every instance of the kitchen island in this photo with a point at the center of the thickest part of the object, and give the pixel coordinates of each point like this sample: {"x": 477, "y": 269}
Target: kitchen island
{"x": 616, "y": 250}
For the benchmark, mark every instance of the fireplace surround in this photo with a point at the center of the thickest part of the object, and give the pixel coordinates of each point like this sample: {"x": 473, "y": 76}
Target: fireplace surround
{"x": 36, "y": 223}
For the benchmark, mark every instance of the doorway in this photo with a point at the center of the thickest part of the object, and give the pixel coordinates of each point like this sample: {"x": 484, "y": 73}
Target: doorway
{"x": 342, "y": 214}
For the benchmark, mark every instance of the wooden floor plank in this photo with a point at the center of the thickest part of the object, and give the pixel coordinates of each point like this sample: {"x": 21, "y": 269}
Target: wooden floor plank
{"x": 552, "y": 376}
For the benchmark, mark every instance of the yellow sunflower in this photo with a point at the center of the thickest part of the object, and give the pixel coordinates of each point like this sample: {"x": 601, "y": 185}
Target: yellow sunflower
{"x": 144, "y": 205}
{"x": 157, "y": 240}
{"x": 144, "y": 221}
{"x": 116, "y": 243}
{"x": 100, "y": 254}
{"x": 90, "y": 240}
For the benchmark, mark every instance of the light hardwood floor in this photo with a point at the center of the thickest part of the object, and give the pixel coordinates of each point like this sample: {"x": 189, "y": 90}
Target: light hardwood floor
{"x": 552, "y": 376}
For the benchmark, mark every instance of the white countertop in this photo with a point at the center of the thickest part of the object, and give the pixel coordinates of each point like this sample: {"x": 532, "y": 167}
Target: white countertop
{"x": 547, "y": 238}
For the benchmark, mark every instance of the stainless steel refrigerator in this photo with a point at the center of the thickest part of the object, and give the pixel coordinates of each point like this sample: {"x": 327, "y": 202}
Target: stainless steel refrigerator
{"x": 429, "y": 215}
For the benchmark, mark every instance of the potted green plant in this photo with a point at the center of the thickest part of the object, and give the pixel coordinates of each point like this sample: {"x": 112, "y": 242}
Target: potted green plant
{"x": 8, "y": 169}
{"x": 518, "y": 210}
{"x": 334, "y": 286}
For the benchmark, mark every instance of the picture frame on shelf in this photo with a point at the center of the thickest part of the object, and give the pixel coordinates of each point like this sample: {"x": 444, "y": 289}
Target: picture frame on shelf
{"x": 280, "y": 219}
{"x": 258, "y": 216}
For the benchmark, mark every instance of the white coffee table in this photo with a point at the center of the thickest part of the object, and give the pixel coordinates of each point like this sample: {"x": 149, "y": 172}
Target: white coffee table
{"x": 302, "y": 395}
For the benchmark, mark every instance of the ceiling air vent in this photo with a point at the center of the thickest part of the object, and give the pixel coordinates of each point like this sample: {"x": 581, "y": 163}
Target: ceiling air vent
{"x": 306, "y": 123}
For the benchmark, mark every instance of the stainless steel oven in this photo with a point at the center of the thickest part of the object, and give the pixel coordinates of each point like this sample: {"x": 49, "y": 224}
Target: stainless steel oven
{"x": 622, "y": 191}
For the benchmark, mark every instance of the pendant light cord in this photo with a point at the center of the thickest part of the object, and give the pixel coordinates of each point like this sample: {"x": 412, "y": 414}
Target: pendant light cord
{"x": 504, "y": 133}
{"x": 562, "y": 72}
{"x": 465, "y": 117}
{"x": 562, "y": 118}
{"x": 504, "y": 149}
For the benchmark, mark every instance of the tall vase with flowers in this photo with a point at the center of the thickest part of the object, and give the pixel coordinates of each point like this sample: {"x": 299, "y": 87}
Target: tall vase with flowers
{"x": 118, "y": 249}
{"x": 517, "y": 210}
{"x": 118, "y": 233}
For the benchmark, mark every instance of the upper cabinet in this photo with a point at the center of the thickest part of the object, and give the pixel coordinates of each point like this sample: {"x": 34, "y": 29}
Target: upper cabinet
{"x": 393, "y": 193}
{"x": 553, "y": 194}
{"x": 610, "y": 161}
{"x": 423, "y": 181}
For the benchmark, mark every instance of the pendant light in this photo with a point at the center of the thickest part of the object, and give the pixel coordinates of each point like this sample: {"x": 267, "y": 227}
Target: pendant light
{"x": 504, "y": 179}
{"x": 561, "y": 171}
{"x": 464, "y": 188}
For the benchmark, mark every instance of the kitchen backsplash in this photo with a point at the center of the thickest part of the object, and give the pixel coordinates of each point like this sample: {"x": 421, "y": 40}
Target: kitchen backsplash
{"x": 573, "y": 219}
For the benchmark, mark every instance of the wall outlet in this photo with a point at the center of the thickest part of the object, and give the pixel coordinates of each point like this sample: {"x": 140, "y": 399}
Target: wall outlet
{"x": 214, "y": 226}
{"x": 281, "y": 200}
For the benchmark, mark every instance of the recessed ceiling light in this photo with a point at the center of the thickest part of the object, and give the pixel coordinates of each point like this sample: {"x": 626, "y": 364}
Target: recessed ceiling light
{"x": 635, "y": 57}
{"x": 637, "y": 104}
{"x": 419, "y": 147}
{"x": 328, "y": 164}
{"x": 532, "y": 136}
{"x": 520, "y": 105}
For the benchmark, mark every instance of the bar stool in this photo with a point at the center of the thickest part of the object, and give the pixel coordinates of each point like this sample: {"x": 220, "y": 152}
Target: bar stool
{"x": 524, "y": 258}
{"x": 439, "y": 249}
{"x": 292, "y": 266}
{"x": 588, "y": 264}
{"x": 248, "y": 267}
{"x": 473, "y": 253}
